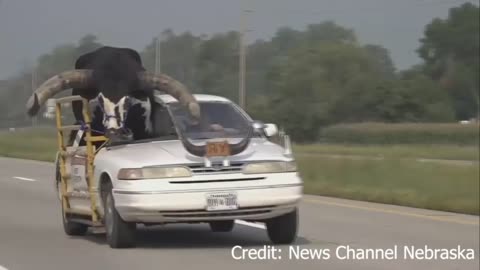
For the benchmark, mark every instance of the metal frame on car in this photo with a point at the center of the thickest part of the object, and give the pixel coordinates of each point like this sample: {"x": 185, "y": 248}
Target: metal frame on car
{"x": 63, "y": 154}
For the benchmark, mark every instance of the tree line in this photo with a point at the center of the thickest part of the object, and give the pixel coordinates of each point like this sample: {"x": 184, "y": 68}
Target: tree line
{"x": 307, "y": 79}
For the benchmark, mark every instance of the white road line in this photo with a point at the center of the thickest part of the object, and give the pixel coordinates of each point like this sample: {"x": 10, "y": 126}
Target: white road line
{"x": 3, "y": 268}
{"x": 251, "y": 224}
{"x": 23, "y": 179}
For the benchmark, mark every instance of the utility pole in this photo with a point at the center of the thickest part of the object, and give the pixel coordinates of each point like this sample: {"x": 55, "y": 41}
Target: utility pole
{"x": 34, "y": 86}
{"x": 242, "y": 59}
{"x": 157, "y": 55}
{"x": 242, "y": 64}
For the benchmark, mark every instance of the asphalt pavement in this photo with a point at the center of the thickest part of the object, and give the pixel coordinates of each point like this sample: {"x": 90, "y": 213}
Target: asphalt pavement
{"x": 32, "y": 237}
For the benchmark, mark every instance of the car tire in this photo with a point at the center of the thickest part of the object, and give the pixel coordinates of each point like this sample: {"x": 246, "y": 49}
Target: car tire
{"x": 222, "y": 225}
{"x": 120, "y": 234}
{"x": 283, "y": 229}
{"x": 72, "y": 228}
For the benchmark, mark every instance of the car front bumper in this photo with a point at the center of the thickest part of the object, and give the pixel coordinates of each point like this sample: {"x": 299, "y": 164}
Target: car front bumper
{"x": 257, "y": 200}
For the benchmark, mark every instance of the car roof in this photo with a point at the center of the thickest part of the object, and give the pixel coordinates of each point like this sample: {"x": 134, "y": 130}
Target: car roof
{"x": 199, "y": 97}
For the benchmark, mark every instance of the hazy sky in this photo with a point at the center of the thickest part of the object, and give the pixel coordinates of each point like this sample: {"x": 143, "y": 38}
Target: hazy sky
{"x": 29, "y": 28}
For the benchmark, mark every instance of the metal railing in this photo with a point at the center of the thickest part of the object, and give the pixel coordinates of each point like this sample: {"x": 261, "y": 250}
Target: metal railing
{"x": 90, "y": 154}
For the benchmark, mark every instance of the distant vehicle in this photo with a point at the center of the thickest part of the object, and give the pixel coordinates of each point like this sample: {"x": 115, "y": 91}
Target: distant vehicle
{"x": 157, "y": 181}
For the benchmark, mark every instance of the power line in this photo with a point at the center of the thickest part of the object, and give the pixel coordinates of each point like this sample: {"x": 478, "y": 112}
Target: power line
{"x": 34, "y": 86}
{"x": 157, "y": 55}
{"x": 242, "y": 55}
{"x": 242, "y": 60}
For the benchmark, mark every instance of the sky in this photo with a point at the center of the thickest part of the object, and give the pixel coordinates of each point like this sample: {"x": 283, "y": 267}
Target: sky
{"x": 29, "y": 28}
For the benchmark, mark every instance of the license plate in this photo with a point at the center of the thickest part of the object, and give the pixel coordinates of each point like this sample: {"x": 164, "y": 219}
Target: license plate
{"x": 218, "y": 149}
{"x": 221, "y": 201}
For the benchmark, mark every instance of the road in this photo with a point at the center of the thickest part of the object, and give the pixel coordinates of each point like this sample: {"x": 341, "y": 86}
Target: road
{"x": 32, "y": 238}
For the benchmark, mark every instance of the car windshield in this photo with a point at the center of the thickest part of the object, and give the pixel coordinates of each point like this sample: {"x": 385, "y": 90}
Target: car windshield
{"x": 218, "y": 120}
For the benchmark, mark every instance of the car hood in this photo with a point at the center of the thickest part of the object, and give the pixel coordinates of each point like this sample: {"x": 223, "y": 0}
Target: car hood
{"x": 172, "y": 152}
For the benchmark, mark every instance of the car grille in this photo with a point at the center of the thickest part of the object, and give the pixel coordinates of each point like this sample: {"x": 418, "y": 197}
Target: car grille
{"x": 217, "y": 180}
{"x": 216, "y": 168}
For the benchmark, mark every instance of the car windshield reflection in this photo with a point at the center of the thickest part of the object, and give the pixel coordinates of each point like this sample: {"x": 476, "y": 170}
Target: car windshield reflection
{"x": 218, "y": 120}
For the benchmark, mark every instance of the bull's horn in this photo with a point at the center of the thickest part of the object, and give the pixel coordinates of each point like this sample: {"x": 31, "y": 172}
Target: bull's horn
{"x": 172, "y": 87}
{"x": 79, "y": 78}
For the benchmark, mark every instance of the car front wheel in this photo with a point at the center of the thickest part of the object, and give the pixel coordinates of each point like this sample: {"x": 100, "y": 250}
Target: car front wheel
{"x": 283, "y": 229}
{"x": 120, "y": 234}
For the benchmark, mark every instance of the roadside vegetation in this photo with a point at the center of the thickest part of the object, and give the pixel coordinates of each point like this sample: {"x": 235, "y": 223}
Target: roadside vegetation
{"x": 390, "y": 174}
{"x": 37, "y": 144}
{"x": 399, "y": 151}
{"x": 402, "y": 133}
{"x": 441, "y": 186}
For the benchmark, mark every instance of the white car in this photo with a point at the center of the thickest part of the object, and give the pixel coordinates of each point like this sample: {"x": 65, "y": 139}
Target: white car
{"x": 157, "y": 181}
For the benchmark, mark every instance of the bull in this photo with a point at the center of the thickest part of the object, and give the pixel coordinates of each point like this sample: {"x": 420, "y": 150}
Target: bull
{"x": 115, "y": 80}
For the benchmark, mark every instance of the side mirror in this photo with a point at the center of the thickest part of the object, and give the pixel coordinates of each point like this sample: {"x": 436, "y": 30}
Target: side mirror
{"x": 258, "y": 126}
{"x": 270, "y": 130}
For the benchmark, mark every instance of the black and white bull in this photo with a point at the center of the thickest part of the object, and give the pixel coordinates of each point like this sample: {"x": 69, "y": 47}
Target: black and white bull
{"x": 116, "y": 81}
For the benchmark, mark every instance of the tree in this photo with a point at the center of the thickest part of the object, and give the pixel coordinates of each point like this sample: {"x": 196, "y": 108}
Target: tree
{"x": 309, "y": 84}
{"x": 264, "y": 56}
{"x": 177, "y": 54}
{"x": 306, "y": 79}
{"x": 329, "y": 31}
{"x": 285, "y": 39}
{"x": 450, "y": 49}
{"x": 63, "y": 57}
{"x": 381, "y": 60}
{"x": 60, "y": 58}
{"x": 217, "y": 65}
{"x": 87, "y": 44}
{"x": 329, "y": 78}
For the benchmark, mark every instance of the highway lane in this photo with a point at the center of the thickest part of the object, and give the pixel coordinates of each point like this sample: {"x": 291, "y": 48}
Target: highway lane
{"x": 31, "y": 234}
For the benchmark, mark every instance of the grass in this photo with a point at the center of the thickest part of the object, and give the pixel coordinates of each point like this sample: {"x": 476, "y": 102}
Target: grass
{"x": 436, "y": 186}
{"x": 402, "y": 133}
{"x": 450, "y": 152}
{"x": 40, "y": 144}
{"x": 398, "y": 178}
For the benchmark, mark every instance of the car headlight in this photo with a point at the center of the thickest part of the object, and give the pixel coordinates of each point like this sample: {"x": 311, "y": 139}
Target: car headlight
{"x": 270, "y": 167}
{"x": 153, "y": 173}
